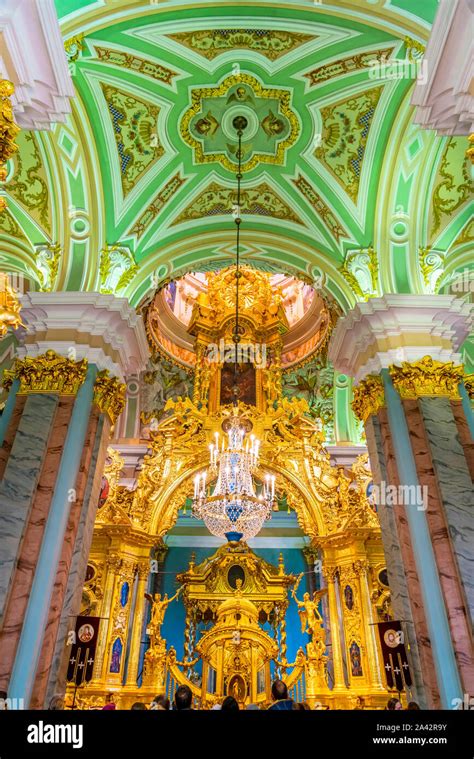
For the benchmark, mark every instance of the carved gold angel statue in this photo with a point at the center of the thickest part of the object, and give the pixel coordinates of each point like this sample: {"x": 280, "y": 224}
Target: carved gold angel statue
{"x": 311, "y": 620}
{"x": 158, "y": 611}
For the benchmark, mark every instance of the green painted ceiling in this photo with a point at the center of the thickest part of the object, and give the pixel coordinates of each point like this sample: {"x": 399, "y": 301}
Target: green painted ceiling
{"x": 333, "y": 164}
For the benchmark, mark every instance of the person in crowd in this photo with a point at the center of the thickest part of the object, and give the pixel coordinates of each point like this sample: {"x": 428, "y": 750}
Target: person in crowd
{"x": 302, "y": 706}
{"x": 359, "y": 704}
{"x": 412, "y": 705}
{"x": 183, "y": 698}
{"x": 229, "y": 704}
{"x": 160, "y": 703}
{"x": 393, "y": 704}
{"x": 3, "y": 701}
{"x": 56, "y": 704}
{"x": 281, "y": 702}
{"x": 138, "y": 706}
{"x": 110, "y": 704}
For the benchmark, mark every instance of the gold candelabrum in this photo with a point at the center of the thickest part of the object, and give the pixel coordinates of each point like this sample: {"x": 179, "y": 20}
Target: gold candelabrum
{"x": 341, "y": 660}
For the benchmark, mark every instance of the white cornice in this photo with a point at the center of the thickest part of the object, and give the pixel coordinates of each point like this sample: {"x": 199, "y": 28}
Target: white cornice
{"x": 398, "y": 327}
{"x": 102, "y": 328}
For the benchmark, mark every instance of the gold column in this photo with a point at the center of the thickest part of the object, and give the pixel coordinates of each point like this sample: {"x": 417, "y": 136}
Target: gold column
{"x": 113, "y": 563}
{"x": 360, "y": 570}
{"x": 134, "y": 656}
{"x": 338, "y": 669}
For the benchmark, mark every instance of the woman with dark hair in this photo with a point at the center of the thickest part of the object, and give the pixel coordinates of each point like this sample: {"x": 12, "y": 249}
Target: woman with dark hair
{"x": 393, "y": 704}
{"x": 229, "y": 704}
{"x": 160, "y": 703}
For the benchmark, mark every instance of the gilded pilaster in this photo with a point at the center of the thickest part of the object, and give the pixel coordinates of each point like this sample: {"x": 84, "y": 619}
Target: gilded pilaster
{"x": 361, "y": 570}
{"x": 135, "y": 643}
{"x": 120, "y": 620}
{"x": 330, "y": 574}
{"x": 113, "y": 563}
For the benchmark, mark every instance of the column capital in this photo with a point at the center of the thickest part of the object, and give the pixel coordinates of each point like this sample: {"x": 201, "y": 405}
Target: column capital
{"x": 103, "y": 329}
{"x": 427, "y": 377}
{"x": 396, "y": 327}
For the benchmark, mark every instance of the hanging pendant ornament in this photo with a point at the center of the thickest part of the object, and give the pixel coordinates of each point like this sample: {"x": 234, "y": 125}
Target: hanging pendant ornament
{"x": 234, "y": 509}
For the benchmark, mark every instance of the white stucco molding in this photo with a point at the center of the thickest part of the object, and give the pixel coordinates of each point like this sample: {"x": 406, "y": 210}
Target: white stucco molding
{"x": 398, "y": 327}
{"x": 102, "y": 328}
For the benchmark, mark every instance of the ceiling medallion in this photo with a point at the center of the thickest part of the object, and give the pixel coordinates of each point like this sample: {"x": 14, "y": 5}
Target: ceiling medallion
{"x": 272, "y": 125}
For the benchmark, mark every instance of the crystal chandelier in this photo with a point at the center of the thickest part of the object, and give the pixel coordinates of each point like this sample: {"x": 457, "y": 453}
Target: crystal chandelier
{"x": 234, "y": 509}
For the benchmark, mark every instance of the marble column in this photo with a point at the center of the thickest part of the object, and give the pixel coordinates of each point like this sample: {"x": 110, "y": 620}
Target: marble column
{"x": 401, "y": 352}
{"x": 401, "y": 572}
{"x": 68, "y": 387}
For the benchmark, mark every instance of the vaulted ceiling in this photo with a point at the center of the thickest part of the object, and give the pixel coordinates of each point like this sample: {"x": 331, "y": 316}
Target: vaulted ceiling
{"x": 339, "y": 185}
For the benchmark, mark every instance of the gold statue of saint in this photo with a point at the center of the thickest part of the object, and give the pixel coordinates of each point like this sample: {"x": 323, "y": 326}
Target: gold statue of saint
{"x": 158, "y": 611}
{"x": 311, "y": 619}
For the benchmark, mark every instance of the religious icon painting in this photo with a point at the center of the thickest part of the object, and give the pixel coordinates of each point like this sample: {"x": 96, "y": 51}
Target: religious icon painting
{"x": 349, "y": 597}
{"x": 356, "y": 663}
{"x": 116, "y": 656}
{"x": 124, "y": 594}
{"x": 104, "y": 492}
{"x": 237, "y": 688}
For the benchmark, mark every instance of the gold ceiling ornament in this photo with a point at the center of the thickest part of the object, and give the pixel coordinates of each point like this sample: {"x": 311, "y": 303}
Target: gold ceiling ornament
{"x": 427, "y": 377}
{"x": 369, "y": 397}
{"x": 361, "y": 270}
{"x": 241, "y": 90}
{"x": 117, "y": 268}
{"x": 470, "y": 150}
{"x": 415, "y": 49}
{"x": 431, "y": 266}
{"x": 109, "y": 395}
{"x": 48, "y": 373}
{"x": 256, "y": 295}
{"x": 8, "y": 131}
{"x": 10, "y": 306}
{"x": 47, "y": 265}
{"x": 74, "y": 47}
